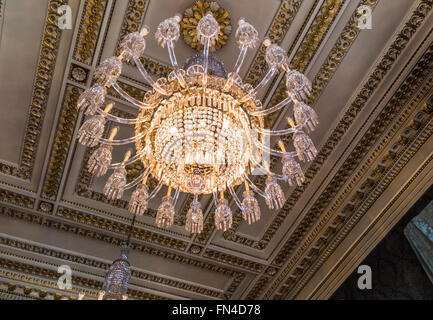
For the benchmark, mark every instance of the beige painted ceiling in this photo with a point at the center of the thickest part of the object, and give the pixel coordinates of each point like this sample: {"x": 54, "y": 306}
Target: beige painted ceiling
{"x": 374, "y": 139}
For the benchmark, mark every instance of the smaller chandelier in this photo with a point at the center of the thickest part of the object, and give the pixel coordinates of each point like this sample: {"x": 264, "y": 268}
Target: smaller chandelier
{"x": 116, "y": 280}
{"x": 200, "y": 130}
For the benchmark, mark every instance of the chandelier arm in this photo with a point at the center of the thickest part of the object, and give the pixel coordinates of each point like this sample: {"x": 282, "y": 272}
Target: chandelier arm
{"x": 137, "y": 180}
{"x": 282, "y": 132}
{"x": 236, "y": 68}
{"x": 156, "y": 189}
{"x": 240, "y": 59}
{"x": 273, "y": 151}
{"x": 215, "y": 198}
{"x": 120, "y": 119}
{"x": 176, "y": 196}
{"x": 269, "y": 75}
{"x": 121, "y": 141}
{"x": 117, "y": 165}
{"x": 236, "y": 198}
{"x": 147, "y": 77}
{"x": 130, "y": 99}
{"x": 173, "y": 60}
{"x": 267, "y": 111}
{"x": 276, "y": 175}
{"x": 205, "y": 61}
{"x": 255, "y": 188}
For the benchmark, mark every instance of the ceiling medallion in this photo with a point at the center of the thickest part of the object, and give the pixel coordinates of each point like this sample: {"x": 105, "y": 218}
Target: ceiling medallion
{"x": 200, "y": 130}
{"x": 191, "y": 18}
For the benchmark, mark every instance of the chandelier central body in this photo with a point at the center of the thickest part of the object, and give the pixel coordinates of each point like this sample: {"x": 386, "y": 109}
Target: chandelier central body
{"x": 198, "y": 139}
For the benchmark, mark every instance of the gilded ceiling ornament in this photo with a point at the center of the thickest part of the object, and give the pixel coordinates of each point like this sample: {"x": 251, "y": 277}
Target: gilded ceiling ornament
{"x": 62, "y": 141}
{"x": 194, "y": 14}
{"x": 78, "y": 74}
{"x": 89, "y": 30}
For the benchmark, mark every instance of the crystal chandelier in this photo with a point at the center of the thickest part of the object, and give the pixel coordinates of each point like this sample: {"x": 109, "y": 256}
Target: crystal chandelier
{"x": 117, "y": 278}
{"x": 116, "y": 282}
{"x": 200, "y": 130}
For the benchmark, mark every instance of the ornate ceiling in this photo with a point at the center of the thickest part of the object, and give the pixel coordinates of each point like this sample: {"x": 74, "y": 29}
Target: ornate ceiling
{"x": 371, "y": 90}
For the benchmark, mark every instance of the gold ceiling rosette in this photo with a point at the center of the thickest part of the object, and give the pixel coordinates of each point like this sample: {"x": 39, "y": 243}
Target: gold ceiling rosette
{"x": 192, "y": 16}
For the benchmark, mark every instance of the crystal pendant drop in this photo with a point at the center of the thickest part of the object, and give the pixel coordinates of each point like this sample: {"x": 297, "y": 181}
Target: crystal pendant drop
{"x": 100, "y": 160}
{"x": 250, "y": 207}
{"x": 304, "y": 146}
{"x": 165, "y": 214}
{"x": 117, "y": 278}
{"x": 275, "y": 199}
{"x": 247, "y": 35}
{"x": 298, "y": 85}
{"x": 208, "y": 28}
{"x": 108, "y": 71}
{"x": 132, "y": 45}
{"x": 304, "y": 114}
{"x": 292, "y": 170}
{"x": 276, "y": 56}
{"x": 115, "y": 184}
{"x": 92, "y": 99}
{"x": 194, "y": 218}
{"x": 195, "y": 183}
{"x": 223, "y": 215}
{"x": 91, "y": 130}
{"x": 168, "y": 30}
{"x": 139, "y": 200}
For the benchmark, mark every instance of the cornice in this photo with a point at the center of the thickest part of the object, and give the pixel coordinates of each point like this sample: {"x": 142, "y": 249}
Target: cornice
{"x": 373, "y": 196}
{"x": 233, "y": 260}
{"x": 121, "y": 228}
{"x": 386, "y": 212}
{"x": 101, "y": 265}
{"x": 49, "y": 222}
{"x": 52, "y": 277}
{"x": 351, "y": 165}
{"x": 29, "y": 291}
{"x": 17, "y": 199}
{"x": 315, "y": 35}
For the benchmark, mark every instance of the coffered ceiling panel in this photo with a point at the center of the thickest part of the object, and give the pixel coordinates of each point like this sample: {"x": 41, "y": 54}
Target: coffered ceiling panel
{"x": 18, "y": 61}
{"x": 371, "y": 90}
